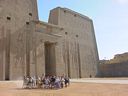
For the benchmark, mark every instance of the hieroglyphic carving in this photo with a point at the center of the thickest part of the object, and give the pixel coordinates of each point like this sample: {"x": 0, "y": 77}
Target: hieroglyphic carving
{"x": 1, "y": 50}
{"x": 40, "y": 50}
{"x": 64, "y": 54}
{"x": 33, "y": 49}
{"x": 66, "y": 58}
{"x": 19, "y": 49}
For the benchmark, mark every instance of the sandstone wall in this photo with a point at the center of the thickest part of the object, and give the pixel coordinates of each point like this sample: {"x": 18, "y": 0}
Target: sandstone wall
{"x": 116, "y": 67}
{"x": 13, "y": 17}
{"x": 51, "y": 35}
{"x": 65, "y": 45}
{"x": 79, "y": 49}
{"x": 114, "y": 70}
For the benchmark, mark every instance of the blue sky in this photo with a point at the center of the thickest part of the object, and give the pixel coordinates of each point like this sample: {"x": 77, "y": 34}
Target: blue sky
{"x": 110, "y": 19}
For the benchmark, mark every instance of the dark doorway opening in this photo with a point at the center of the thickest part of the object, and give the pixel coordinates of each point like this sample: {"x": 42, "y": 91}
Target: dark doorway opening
{"x": 7, "y": 55}
{"x": 50, "y": 66}
{"x": 7, "y": 68}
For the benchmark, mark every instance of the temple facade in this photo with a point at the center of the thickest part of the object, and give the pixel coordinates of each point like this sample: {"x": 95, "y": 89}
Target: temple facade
{"x": 29, "y": 47}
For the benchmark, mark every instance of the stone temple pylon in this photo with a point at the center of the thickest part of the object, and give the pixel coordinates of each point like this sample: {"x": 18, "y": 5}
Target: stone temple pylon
{"x": 14, "y": 16}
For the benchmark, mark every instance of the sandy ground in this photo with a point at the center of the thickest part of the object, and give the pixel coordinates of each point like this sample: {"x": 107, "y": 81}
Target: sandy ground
{"x": 77, "y": 88}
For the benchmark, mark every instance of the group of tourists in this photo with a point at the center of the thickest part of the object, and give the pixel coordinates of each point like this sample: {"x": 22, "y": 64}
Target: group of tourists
{"x": 46, "y": 82}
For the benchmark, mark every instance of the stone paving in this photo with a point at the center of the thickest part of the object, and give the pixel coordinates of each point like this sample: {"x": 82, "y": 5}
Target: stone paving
{"x": 104, "y": 80}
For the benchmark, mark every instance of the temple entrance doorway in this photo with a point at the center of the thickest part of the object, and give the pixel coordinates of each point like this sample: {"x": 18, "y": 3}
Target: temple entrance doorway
{"x": 50, "y": 66}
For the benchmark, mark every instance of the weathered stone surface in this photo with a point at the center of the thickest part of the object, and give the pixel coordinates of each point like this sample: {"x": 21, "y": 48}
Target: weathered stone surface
{"x": 116, "y": 67}
{"x": 65, "y": 45}
{"x": 114, "y": 70}
{"x": 14, "y": 15}
{"x": 79, "y": 46}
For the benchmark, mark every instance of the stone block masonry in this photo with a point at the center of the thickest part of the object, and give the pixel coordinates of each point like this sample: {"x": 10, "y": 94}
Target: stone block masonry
{"x": 64, "y": 45}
